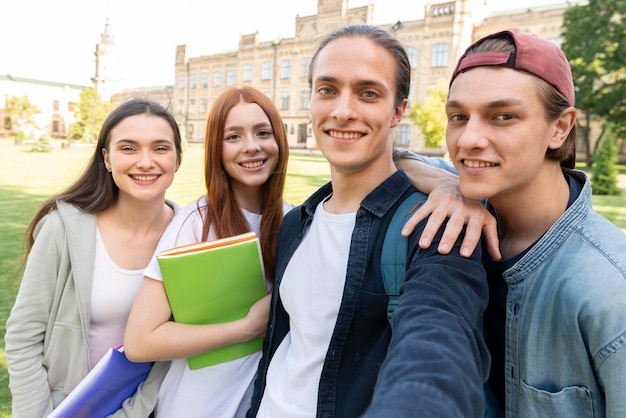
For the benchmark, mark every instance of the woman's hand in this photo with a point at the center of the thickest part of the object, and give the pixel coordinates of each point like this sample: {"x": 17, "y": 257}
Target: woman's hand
{"x": 255, "y": 323}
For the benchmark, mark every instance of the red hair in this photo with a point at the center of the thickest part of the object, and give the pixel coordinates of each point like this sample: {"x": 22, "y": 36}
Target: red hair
{"x": 223, "y": 212}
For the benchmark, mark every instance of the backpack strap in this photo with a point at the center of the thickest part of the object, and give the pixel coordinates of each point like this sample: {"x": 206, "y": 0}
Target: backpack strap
{"x": 395, "y": 250}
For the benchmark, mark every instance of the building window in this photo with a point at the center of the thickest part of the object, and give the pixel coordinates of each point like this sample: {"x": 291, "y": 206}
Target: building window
{"x": 284, "y": 100}
{"x": 217, "y": 78}
{"x": 266, "y": 73}
{"x": 181, "y": 81}
{"x": 70, "y": 106}
{"x": 305, "y": 99}
{"x": 306, "y": 63}
{"x": 412, "y": 53}
{"x": 192, "y": 81}
{"x": 55, "y": 105}
{"x": 443, "y": 10}
{"x": 302, "y": 129}
{"x": 203, "y": 105}
{"x": 440, "y": 55}
{"x": 247, "y": 72}
{"x": 403, "y": 138}
{"x": 205, "y": 80}
{"x": 230, "y": 77}
{"x": 285, "y": 69}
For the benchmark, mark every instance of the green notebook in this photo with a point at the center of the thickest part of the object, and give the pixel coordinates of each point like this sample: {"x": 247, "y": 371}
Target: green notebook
{"x": 214, "y": 282}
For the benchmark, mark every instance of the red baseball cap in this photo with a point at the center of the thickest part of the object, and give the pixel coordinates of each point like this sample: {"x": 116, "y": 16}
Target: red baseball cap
{"x": 534, "y": 55}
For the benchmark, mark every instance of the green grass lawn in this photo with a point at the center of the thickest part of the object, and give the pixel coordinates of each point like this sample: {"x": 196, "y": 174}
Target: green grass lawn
{"x": 26, "y": 179}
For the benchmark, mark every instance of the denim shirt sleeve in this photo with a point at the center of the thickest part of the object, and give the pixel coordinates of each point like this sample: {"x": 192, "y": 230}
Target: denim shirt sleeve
{"x": 437, "y": 360}
{"x": 437, "y": 162}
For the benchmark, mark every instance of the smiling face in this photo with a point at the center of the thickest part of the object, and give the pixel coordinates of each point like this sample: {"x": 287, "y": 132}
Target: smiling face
{"x": 498, "y": 133}
{"x": 353, "y": 105}
{"x": 250, "y": 151}
{"x": 141, "y": 157}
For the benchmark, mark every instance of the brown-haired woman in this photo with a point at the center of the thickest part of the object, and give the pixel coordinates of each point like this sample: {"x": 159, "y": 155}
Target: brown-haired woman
{"x": 86, "y": 248}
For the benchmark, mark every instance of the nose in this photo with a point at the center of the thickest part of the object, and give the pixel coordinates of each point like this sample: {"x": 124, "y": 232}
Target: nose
{"x": 472, "y": 135}
{"x": 251, "y": 144}
{"x": 344, "y": 109}
{"x": 145, "y": 160}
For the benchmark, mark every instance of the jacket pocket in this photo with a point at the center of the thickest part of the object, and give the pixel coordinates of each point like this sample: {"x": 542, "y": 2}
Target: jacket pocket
{"x": 571, "y": 402}
{"x": 65, "y": 359}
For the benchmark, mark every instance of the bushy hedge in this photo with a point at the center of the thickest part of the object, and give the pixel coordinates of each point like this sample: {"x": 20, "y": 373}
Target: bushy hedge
{"x": 43, "y": 144}
{"x": 604, "y": 178}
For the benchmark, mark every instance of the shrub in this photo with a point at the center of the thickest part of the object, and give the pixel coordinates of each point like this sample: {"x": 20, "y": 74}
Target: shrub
{"x": 43, "y": 144}
{"x": 604, "y": 178}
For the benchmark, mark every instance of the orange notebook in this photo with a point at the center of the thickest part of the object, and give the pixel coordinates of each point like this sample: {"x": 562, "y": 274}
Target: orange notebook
{"x": 215, "y": 282}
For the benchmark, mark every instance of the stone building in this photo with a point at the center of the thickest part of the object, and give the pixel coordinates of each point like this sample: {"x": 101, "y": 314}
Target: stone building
{"x": 107, "y": 79}
{"x": 280, "y": 67}
{"x": 54, "y": 100}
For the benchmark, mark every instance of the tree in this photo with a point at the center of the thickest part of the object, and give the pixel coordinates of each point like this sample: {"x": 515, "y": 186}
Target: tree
{"x": 89, "y": 115}
{"x": 595, "y": 44}
{"x": 22, "y": 112}
{"x": 430, "y": 114}
{"x": 604, "y": 178}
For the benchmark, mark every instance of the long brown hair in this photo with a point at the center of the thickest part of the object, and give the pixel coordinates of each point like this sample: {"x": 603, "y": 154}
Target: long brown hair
{"x": 95, "y": 190}
{"x": 223, "y": 213}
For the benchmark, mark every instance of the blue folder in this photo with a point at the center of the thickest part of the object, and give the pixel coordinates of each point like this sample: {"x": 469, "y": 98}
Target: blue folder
{"x": 105, "y": 388}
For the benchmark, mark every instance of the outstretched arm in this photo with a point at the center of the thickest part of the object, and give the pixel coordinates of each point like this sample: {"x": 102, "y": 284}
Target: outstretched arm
{"x": 437, "y": 349}
{"x": 445, "y": 201}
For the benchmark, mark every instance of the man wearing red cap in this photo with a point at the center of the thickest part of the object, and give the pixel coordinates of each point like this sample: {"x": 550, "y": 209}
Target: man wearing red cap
{"x": 556, "y": 321}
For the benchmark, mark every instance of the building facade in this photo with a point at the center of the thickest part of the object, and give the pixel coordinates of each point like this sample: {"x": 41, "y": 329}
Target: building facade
{"x": 55, "y": 102}
{"x": 280, "y": 67}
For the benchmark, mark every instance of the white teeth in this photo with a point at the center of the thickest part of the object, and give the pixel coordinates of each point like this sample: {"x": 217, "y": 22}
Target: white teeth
{"x": 254, "y": 164}
{"x": 345, "y": 135}
{"x": 478, "y": 164}
{"x": 145, "y": 178}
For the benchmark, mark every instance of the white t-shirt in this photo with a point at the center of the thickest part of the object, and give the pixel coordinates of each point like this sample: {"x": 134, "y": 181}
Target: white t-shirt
{"x": 311, "y": 291}
{"x": 223, "y": 390}
{"x": 113, "y": 291}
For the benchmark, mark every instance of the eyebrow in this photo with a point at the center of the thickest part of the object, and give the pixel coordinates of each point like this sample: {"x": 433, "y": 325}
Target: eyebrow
{"x": 491, "y": 105}
{"x": 255, "y": 126}
{"x": 360, "y": 83}
{"x": 134, "y": 142}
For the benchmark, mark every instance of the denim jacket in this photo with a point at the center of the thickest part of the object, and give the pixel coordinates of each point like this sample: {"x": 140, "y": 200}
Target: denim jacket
{"x": 436, "y": 360}
{"x": 565, "y": 352}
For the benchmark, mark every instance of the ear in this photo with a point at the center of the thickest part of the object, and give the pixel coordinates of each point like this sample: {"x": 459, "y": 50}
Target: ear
{"x": 398, "y": 112}
{"x": 107, "y": 164}
{"x": 562, "y": 127}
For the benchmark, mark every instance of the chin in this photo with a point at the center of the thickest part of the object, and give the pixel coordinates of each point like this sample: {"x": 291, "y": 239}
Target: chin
{"x": 473, "y": 192}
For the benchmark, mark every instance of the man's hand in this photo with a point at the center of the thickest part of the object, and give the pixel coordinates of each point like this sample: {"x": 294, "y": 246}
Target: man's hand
{"x": 446, "y": 201}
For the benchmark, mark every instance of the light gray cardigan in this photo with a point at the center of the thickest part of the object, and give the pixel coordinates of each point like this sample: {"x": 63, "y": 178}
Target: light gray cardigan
{"x": 47, "y": 340}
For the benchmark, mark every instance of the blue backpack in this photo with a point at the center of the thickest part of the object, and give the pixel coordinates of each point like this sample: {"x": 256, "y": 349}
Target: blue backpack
{"x": 395, "y": 250}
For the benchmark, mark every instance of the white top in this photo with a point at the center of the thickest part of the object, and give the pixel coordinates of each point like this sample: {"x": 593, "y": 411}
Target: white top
{"x": 311, "y": 291}
{"x": 216, "y": 391}
{"x": 113, "y": 291}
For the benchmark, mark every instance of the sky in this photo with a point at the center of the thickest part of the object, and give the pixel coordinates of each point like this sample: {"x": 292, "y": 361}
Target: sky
{"x": 55, "y": 40}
